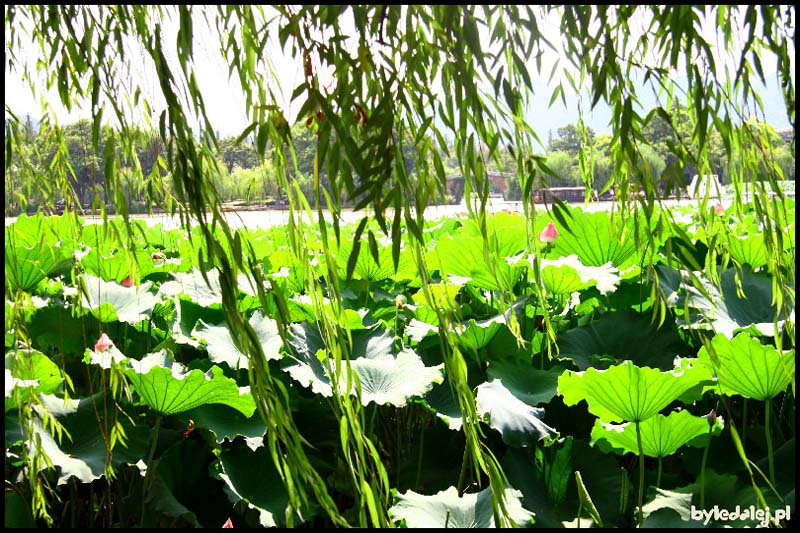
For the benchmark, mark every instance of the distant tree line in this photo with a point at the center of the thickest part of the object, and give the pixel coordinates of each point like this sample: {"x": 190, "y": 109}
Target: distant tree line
{"x": 239, "y": 176}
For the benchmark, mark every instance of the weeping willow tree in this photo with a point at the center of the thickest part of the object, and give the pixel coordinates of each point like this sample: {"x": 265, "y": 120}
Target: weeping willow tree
{"x": 450, "y": 81}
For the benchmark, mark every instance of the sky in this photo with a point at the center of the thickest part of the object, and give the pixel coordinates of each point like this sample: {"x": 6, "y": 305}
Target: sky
{"x": 226, "y": 105}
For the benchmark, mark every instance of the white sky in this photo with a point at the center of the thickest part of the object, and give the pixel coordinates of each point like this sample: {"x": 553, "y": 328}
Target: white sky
{"x": 225, "y": 103}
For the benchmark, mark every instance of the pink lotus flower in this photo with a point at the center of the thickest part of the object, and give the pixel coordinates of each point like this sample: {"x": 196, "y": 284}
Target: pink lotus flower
{"x": 228, "y": 523}
{"x": 103, "y": 343}
{"x": 720, "y": 209}
{"x": 549, "y": 233}
{"x": 127, "y": 282}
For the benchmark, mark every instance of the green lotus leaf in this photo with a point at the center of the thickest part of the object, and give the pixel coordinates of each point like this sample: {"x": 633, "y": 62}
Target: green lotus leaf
{"x": 746, "y": 367}
{"x": 250, "y": 475}
{"x": 34, "y": 251}
{"x": 185, "y": 490}
{"x": 531, "y": 385}
{"x": 418, "y": 330}
{"x": 476, "y": 334}
{"x": 723, "y": 310}
{"x": 749, "y": 250}
{"x": 725, "y": 491}
{"x": 661, "y": 435}
{"x": 226, "y": 423}
{"x": 367, "y": 268}
{"x": 623, "y": 334}
{"x": 165, "y": 387}
{"x": 518, "y": 423}
{"x": 606, "y": 276}
{"x": 463, "y": 256}
{"x": 131, "y": 304}
{"x": 561, "y": 280}
{"x": 443, "y": 295}
{"x": 448, "y": 509}
{"x": 386, "y": 376}
{"x": 221, "y": 348}
{"x": 82, "y": 451}
{"x": 440, "y": 399}
{"x": 113, "y": 266}
{"x": 26, "y": 367}
{"x": 193, "y": 285}
{"x": 598, "y": 239}
{"x": 626, "y": 392}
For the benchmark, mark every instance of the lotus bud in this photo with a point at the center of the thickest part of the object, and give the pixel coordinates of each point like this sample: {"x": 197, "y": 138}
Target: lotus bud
{"x": 127, "y": 282}
{"x": 719, "y": 208}
{"x": 549, "y": 233}
{"x": 227, "y": 524}
{"x": 103, "y": 343}
{"x": 712, "y": 417}
{"x": 400, "y": 301}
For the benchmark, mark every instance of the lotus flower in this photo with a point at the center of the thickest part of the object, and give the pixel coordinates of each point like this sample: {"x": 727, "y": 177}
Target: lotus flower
{"x": 103, "y": 343}
{"x": 127, "y": 282}
{"x": 549, "y": 233}
{"x": 711, "y": 417}
{"x": 227, "y": 523}
{"x": 719, "y": 208}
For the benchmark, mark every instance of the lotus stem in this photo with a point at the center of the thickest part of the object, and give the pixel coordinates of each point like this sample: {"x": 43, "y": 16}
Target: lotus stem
{"x": 771, "y": 459}
{"x": 148, "y": 473}
{"x": 703, "y": 470}
{"x": 658, "y": 478}
{"x": 641, "y": 471}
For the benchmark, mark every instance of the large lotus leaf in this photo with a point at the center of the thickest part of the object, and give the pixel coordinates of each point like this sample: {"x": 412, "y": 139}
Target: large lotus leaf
{"x": 184, "y": 489}
{"x": 661, "y": 435}
{"x": 131, "y": 304}
{"x": 746, "y": 367}
{"x": 221, "y": 348}
{"x": 624, "y": 334}
{"x": 442, "y": 294}
{"x": 464, "y": 256}
{"x": 723, "y": 310}
{"x": 418, "y": 330}
{"x": 442, "y": 401}
{"x": 596, "y": 240}
{"x": 531, "y": 385}
{"x": 561, "y": 280}
{"x": 226, "y": 423}
{"x": 518, "y": 423}
{"x": 606, "y": 276}
{"x": 396, "y": 379}
{"x": 448, "y": 509}
{"x": 28, "y": 365}
{"x": 251, "y": 476}
{"x": 187, "y": 314}
{"x": 386, "y": 376}
{"x": 18, "y": 512}
{"x": 114, "y": 266}
{"x": 34, "y": 251}
{"x": 165, "y": 386}
{"x": 82, "y": 451}
{"x": 367, "y": 268}
{"x": 626, "y": 392}
{"x": 749, "y": 250}
{"x": 668, "y": 508}
{"x": 193, "y": 285}
{"x": 476, "y": 334}
{"x": 724, "y": 491}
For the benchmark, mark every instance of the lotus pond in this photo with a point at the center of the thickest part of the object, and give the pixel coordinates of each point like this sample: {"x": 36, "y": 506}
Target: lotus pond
{"x": 658, "y": 380}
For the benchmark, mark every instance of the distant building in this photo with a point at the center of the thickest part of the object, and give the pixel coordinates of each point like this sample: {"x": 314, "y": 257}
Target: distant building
{"x": 455, "y": 184}
{"x": 787, "y": 135}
